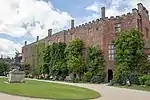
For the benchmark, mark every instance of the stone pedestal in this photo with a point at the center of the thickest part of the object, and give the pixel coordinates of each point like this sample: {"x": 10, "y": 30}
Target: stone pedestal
{"x": 16, "y": 76}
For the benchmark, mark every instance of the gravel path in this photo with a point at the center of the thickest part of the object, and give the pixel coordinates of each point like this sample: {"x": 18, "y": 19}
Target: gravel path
{"x": 107, "y": 93}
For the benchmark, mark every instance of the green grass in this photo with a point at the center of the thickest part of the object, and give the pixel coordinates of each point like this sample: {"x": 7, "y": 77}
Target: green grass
{"x": 47, "y": 90}
{"x": 136, "y": 87}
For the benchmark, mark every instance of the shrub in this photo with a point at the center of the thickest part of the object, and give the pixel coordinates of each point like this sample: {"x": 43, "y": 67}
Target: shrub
{"x": 96, "y": 79}
{"x": 134, "y": 78}
{"x": 87, "y": 77}
{"x": 77, "y": 80}
{"x": 143, "y": 79}
{"x": 147, "y": 83}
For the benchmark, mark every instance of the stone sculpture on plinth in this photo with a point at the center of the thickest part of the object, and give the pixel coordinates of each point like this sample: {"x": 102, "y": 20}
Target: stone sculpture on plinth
{"x": 17, "y": 75}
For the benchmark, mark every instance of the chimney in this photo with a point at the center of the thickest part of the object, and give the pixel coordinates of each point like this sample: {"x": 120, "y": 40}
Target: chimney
{"x": 49, "y": 32}
{"x": 25, "y": 43}
{"x": 72, "y": 23}
{"x": 37, "y": 38}
{"x": 140, "y": 7}
{"x": 103, "y": 12}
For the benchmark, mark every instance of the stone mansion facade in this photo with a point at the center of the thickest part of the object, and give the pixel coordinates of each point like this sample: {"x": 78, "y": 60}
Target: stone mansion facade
{"x": 101, "y": 32}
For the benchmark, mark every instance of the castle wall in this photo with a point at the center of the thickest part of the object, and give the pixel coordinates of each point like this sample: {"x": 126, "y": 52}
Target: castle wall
{"x": 101, "y": 32}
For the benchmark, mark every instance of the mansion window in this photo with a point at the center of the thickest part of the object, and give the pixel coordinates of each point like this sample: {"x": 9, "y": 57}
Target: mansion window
{"x": 58, "y": 40}
{"x": 147, "y": 31}
{"x": 73, "y": 36}
{"x": 117, "y": 27}
{"x": 148, "y": 58}
{"x": 111, "y": 52}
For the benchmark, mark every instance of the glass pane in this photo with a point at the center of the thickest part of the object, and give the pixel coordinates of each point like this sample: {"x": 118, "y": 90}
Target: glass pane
{"x": 118, "y": 25}
{"x": 109, "y": 51}
{"x": 119, "y": 29}
{"x": 112, "y": 47}
{"x": 148, "y": 57}
{"x": 112, "y": 51}
{"x": 109, "y": 57}
{"x": 113, "y": 57}
{"x": 109, "y": 46}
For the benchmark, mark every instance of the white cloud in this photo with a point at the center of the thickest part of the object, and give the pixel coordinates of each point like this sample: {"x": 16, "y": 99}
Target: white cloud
{"x": 86, "y": 19}
{"x": 7, "y": 47}
{"x": 146, "y": 3}
{"x": 113, "y": 8}
{"x": 94, "y": 7}
{"x": 113, "y": 11}
{"x": 17, "y": 17}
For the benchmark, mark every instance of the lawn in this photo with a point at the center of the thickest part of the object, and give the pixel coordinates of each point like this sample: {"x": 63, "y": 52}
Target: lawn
{"x": 47, "y": 90}
{"x": 136, "y": 87}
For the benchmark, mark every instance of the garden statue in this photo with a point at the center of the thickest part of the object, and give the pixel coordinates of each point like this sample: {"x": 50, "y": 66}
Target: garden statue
{"x": 17, "y": 75}
{"x": 17, "y": 61}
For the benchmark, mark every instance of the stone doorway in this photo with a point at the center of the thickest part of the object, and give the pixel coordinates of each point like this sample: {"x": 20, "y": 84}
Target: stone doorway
{"x": 110, "y": 74}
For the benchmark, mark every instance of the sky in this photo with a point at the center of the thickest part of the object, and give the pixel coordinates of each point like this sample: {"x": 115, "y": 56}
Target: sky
{"x": 23, "y": 20}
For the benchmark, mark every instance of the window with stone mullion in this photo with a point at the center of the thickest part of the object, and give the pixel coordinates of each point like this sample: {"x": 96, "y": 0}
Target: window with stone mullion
{"x": 111, "y": 52}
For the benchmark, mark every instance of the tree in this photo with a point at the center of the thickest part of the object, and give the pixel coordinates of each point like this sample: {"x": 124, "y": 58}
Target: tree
{"x": 40, "y": 53}
{"x": 129, "y": 54}
{"x": 37, "y": 57}
{"x": 95, "y": 62}
{"x": 54, "y": 59}
{"x": 46, "y": 58}
{"x": 74, "y": 56}
{"x": 4, "y": 67}
{"x": 60, "y": 70}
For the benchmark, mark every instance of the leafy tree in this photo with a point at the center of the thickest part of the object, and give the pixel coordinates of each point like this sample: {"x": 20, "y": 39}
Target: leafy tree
{"x": 129, "y": 54}
{"x": 60, "y": 69}
{"x": 4, "y": 67}
{"x": 46, "y": 58}
{"x": 37, "y": 58}
{"x": 54, "y": 59}
{"x": 74, "y": 56}
{"x": 40, "y": 53}
{"x": 95, "y": 62}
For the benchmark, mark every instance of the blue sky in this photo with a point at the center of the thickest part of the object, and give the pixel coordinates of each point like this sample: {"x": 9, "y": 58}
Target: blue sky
{"x": 22, "y": 20}
{"x": 74, "y": 7}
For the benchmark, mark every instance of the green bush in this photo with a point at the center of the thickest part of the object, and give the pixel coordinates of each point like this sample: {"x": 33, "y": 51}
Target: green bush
{"x": 143, "y": 79}
{"x": 87, "y": 77}
{"x": 96, "y": 79}
{"x": 134, "y": 78}
{"x": 147, "y": 83}
{"x": 77, "y": 80}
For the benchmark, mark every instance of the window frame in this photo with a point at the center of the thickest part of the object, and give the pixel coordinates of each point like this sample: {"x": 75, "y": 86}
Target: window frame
{"x": 111, "y": 52}
{"x": 117, "y": 27}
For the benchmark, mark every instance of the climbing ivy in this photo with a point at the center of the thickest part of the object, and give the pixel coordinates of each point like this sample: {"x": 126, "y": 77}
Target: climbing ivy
{"x": 129, "y": 55}
{"x": 54, "y": 59}
{"x": 95, "y": 63}
{"x": 74, "y": 56}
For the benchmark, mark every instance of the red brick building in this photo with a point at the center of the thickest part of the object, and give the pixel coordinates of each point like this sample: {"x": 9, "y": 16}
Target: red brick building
{"x": 101, "y": 32}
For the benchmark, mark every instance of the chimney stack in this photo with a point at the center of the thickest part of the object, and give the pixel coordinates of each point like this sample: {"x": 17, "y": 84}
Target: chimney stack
{"x": 25, "y": 43}
{"x": 49, "y": 32}
{"x": 140, "y": 7}
{"x": 37, "y": 38}
{"x": 72, "y": 23}
{"x": 103, "y": 12}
